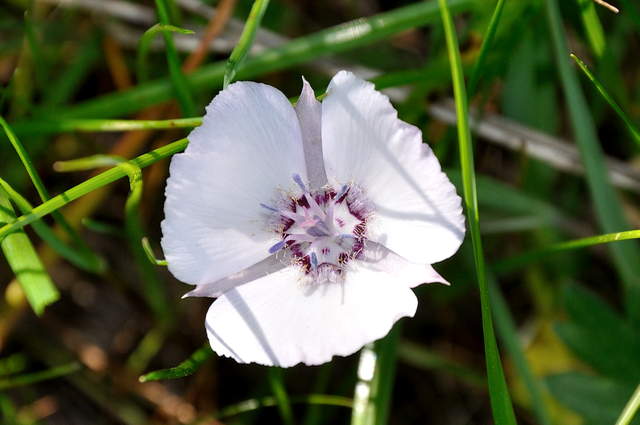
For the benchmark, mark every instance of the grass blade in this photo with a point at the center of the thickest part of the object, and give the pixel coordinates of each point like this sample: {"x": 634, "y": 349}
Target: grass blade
{"x": 142, "y": 63}
{"x": 630, "y": 409}
{"x": 30, "y": 378}
{"x": 614, "y": 105}
{"x": 93, "y": 183}
{"x": 186, "y": 368}
{"x": 178, "y": 79}
{"x": 247, "y": 38}
{"x": 25, "y": 263}
{"x": 500, "y": 399}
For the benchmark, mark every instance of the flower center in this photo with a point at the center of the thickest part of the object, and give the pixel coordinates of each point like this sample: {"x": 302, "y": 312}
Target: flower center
{"x": 321, "y": 230}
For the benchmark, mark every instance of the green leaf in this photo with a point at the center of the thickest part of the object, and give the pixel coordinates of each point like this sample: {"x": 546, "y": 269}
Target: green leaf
{"x": 600, "y": 336}
{"x": 598, "y": 400}
{"x": 25, "y": 263}
{"x": 186, "y": 368}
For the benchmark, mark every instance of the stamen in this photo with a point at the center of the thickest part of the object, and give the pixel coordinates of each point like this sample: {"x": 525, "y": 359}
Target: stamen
{"x": 297, "y": 179}
{"x": 314, "y": 261}
{"x": 340, "y": 194}
{"x": 277, "y": 247}
{"x": 268, "y": 207}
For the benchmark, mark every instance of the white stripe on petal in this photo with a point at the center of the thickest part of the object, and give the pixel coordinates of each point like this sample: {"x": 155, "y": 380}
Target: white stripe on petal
{"x": 247, "y": 148}
{"x": 419, "y": 213}
{"x": 275, "y": 321}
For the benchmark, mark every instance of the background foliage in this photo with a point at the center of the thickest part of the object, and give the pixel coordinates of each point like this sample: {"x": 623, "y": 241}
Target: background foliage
{"x": 84, "y": 313}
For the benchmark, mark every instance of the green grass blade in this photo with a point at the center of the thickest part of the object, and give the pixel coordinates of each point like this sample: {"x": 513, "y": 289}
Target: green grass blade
{"x": 84, "y": 259}
{"x": 614, "y": 105}
{"x": 484, "y": 49}
{"x": 186, "y": 368}
{"x": 40, "y": 127}
{"x": 593, "y": 27}
{"x": 247, "y": 38}
{"x": 178, "y": 79}
{"x": 150, "y": 255}
{"x": 253, "y": 404}
{"x": 630, "y": 409}
{"x": 88, "y": 260}
{"x": 500, "y": 399}
{"x": 337, "y": 39}
{"x": 142, "y": 58}
{"x": 31, "y": 378}
{"x": 508, "y": 333}
{"x": 25, "y": 263}
{"x": 276, "y": 382}
{"x": 606, "y": 199}
{"x": 89, "y": 185}
{"x": 514, "y": 263}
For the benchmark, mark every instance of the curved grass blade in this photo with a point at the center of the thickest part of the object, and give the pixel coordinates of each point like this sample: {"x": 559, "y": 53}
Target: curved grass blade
{"x": 500, "y": 399}
{"x": 614, "y": 105}
{"x": 630, "y": 409}
{"x": 607, "y": 201}
{"x": 178, "y": 79}
{"x": 30, "y": 378}
{"x": 247, "y": 38}
{"x": 25, "y": 263}
{"x": 93, "y": 183}
{"x": 150, "y": 255}
{"x": 186, "y": 368}
{"x": 142, "y": 62}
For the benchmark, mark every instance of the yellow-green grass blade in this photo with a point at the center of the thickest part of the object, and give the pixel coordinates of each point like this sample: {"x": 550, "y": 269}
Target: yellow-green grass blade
{"x": 630, "y": 409}
{"x": 25, "y": 263}
{"x": 500, "y": 398}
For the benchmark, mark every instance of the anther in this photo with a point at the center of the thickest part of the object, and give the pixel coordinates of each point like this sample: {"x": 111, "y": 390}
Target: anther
{"x": 314, "y": 261}
{"x": 277, "y": 247}
{"x": 297, "y": 179}
{"x": 340, "y": 194}
{"x": 268, "y": 207}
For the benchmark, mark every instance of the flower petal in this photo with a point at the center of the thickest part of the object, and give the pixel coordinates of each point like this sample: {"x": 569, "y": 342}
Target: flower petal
{"x": 411, "y": 274}
{"x": 309, "y": 112}
{"x": 246, "y": 150}
{"x": 275, "y": 321}
{"x": 419, "y": 213}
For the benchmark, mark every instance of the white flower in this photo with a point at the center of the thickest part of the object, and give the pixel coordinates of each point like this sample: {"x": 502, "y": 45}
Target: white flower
{"x": 310, "y": 225}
